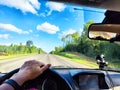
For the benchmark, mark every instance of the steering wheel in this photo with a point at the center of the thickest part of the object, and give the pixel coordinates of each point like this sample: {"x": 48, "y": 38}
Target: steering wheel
{"x": 50, "y": 80}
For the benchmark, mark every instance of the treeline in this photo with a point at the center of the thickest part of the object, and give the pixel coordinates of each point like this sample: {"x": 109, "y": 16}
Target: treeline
{"x": 20, "y": 49}
{"x": 80, "y": 43}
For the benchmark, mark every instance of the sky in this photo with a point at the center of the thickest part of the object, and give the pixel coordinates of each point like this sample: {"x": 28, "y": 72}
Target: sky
{"x": 43, "y": 22}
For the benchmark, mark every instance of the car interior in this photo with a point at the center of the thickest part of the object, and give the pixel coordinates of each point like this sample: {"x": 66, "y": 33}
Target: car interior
{"x": 83, "y": 78}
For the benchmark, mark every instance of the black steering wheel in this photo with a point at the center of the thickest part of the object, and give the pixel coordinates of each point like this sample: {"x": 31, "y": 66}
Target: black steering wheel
{"x": 49, "y": 80}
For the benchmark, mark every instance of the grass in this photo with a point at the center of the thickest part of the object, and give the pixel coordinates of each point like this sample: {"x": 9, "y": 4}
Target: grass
{"x": 79, "y": 59}
{"x": 14, "y": 56}
{"x": 114, "y": 64}
{"x": 82, "y": 59}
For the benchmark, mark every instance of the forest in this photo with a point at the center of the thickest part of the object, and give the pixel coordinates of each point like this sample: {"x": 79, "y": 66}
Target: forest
{"x": 80, "y": 43}
{"x": 20, "y": 49}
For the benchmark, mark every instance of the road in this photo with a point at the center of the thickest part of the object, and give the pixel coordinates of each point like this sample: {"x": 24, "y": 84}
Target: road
{"x": 8, "y": 65}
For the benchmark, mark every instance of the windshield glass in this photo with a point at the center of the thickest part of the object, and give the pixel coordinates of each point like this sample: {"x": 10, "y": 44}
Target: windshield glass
{"x": 51, "y": 32}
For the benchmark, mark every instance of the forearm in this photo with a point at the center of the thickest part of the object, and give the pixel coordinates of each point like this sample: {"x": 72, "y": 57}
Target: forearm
{"x": 18, "y": 78}
{"x": 6, "y": 86}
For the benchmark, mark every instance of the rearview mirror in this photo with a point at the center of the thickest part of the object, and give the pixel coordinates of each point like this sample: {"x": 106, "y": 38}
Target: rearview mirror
{"x": 109, "y": 32}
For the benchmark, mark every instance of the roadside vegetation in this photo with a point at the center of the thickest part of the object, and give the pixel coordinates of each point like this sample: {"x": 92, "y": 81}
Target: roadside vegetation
{"x": 14, "y": 51}
{"x": 81, "y": 44}
{"x": 15, "y": 56}
{"x": 79, "y": 58}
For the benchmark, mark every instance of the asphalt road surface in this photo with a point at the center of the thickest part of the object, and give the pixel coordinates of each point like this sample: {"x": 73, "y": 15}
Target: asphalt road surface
{"x": 56, "y": 61}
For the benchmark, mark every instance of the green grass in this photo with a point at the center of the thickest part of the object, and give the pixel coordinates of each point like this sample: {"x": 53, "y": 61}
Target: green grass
{"x": 14, "y": 56}
{"x": 79, "y": 59}
{"x": 82, "y": 59}
{"x": 114, "y": 64}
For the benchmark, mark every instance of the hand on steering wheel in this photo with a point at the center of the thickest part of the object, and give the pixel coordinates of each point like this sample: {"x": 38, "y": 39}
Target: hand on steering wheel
{"x": 35, "y": 70}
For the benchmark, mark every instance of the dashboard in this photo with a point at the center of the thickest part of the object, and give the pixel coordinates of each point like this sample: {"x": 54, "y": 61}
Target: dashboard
{"x": 74, "y": 79}
{"x": 83, "y": 79}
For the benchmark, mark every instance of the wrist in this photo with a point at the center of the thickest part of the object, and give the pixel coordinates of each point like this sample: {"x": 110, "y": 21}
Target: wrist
{"x": 20, "y": 78}
{"x": 12, "y": 84}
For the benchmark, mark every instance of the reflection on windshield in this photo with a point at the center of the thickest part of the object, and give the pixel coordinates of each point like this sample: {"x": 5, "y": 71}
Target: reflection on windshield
{"x": 56, "y": 35}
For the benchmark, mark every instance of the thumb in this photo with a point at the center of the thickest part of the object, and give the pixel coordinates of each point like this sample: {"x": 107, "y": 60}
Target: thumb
{"x": 45, "y": 67}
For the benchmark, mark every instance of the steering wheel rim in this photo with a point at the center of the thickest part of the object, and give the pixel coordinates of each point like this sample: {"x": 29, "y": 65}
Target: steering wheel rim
{"x": 48, "y": 72}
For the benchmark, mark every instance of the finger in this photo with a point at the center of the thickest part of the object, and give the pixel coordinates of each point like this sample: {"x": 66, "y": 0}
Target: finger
{"x": 45, "y": 67}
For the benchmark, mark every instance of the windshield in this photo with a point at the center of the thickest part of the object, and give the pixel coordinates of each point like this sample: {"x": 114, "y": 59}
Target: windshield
{"x": 51, "y": 32}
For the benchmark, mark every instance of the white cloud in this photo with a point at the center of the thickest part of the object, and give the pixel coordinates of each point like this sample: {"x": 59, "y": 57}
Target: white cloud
{"x": 64, "y": 33}
{"x": 47, "y": 27}
{"x": 4, "y": 36}
{"x": 55, "y": 7}
{"x": 30, "y": 31}
{"x": 12, "y": 28}
{"x": 42, "y": 15}
{"x": 23, "y": 5}
{"x": 70, "y": 31}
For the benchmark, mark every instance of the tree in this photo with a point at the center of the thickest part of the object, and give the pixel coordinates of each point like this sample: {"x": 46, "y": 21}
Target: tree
{"x": 29, "y": 43}
{"x": 64, "y": 40}
{"x": 75, "y": 37}
{"x": 85, "y": 30}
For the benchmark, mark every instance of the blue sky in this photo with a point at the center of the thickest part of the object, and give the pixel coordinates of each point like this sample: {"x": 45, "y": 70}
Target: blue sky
{"x": 42, "y": 22}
